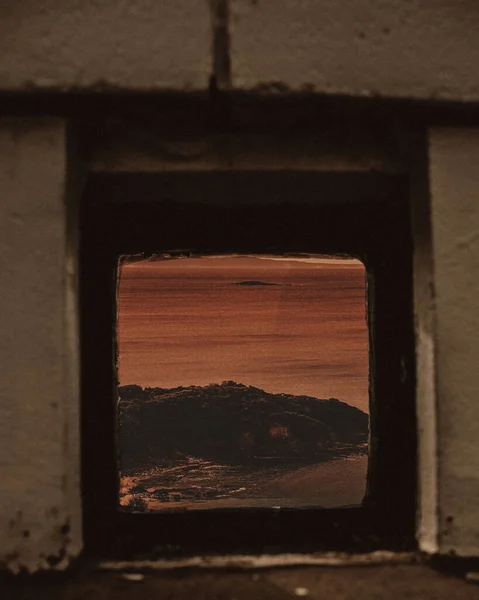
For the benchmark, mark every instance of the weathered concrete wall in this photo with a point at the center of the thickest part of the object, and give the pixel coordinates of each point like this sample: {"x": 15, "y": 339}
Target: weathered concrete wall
{"x": 75, "y": 44}
{"x": 40, "y": 516}
{"x": 417, "y": 49}
{"x": 414, "y": 49}
{"x": 427, "y": 510}
{"x": 454, "y": 183}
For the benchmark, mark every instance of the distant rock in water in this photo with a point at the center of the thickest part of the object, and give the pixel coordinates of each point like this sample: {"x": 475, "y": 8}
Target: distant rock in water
{"x": 258, "y": 283}
{"x": 234, "y": 424}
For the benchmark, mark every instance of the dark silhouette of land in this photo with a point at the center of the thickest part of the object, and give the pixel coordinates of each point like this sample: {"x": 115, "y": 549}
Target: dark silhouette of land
{"x": 230, "y": 444}
{"x": 232, "y": 423}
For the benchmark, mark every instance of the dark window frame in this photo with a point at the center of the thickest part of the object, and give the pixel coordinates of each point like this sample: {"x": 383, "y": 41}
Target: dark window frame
{"x": 361, "y": 214}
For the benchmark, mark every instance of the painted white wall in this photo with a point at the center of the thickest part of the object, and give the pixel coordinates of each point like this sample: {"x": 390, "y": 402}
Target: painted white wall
{"x": 410, "y": 49}
{"x": 449, "y": 404}
{"x": 141, "y": 45}
{"x": 40, "y": 515}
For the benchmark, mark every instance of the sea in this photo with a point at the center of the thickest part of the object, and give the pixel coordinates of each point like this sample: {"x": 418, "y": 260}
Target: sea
{"x": 285, "y": 325}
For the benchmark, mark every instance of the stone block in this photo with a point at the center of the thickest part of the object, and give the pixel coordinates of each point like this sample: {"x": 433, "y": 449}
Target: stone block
{"x": 414, "y": 49}
{"x": 68, "y": 45}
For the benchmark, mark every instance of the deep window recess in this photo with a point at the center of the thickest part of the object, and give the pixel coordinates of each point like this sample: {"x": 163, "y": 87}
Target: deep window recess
{"x": 362, "y": 215}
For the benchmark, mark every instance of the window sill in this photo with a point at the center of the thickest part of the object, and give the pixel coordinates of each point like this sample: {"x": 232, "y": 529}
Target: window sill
{"x": 387, "y": 581}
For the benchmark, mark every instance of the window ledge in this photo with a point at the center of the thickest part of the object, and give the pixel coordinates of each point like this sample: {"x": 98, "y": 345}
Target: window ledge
{"x": 386, "y": 581}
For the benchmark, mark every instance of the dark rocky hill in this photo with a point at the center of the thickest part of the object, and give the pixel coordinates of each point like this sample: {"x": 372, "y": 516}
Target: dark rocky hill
{"x": 233, "y": 424}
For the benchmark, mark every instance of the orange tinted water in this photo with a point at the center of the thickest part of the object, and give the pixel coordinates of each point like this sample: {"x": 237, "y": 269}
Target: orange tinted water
{"x": 186, "y": 322}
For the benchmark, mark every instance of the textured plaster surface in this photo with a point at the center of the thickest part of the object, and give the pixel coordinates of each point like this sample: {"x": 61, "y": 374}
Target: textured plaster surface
{"x": 39, "y": 454}
{"x": 418, "y": 48}
{"x": 99, "y": 44}
{"x": 454, "y": 181}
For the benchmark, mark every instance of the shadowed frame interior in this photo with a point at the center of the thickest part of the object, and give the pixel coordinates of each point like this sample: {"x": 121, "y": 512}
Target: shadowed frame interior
{"x": 364, "y": 215}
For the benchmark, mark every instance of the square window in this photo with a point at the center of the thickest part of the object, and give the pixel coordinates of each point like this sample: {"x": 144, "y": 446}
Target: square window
{"x": 364, "y": 215}
{"x": 230, "y": 370}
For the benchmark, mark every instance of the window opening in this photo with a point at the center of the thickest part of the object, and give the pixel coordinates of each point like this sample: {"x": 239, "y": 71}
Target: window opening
{"x": 243, "y": 381}
{"x": 364, "y": 215}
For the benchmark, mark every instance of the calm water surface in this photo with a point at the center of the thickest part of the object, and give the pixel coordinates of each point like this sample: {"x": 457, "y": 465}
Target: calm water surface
{"x": 186, "y": 322}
